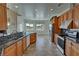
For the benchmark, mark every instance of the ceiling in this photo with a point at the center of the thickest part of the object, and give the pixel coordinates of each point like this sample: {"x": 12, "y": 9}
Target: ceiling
{"x": 38, "y": 11}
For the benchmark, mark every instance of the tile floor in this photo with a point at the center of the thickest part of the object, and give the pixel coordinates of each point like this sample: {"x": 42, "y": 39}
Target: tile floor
{"x": 42, "y": 47}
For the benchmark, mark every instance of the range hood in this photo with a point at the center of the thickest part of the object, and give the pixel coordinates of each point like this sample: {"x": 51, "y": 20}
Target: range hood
{"x": 65, "y": 24}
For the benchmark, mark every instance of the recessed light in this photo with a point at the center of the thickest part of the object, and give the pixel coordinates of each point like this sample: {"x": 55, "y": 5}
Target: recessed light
{"x": 27, "y": 24}
{"x": 8, "y": 23}
{"x": 38, "y": 25}
{"x": 31, "y": 25}
{"x": 16, "y": 6}
{"x": 51, "y": 9}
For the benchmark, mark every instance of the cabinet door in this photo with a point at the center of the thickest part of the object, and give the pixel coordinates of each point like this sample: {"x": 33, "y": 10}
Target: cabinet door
{"x": 76, "y": 17}
{"x": 68, "y": 47}
{"x": 55, "y": 38}
{"x": 70, "y": 14}
{"x": 32, "y": 38}
{"x": 19, "y": 48}
{"x": 10, "y": 51}
{"x": 3, "y": 18}
{"x": 73, "y": 49}
{"x": 24, "y": 43}
{"x": 76, "y": 49}
{"x": 59, "y": 21}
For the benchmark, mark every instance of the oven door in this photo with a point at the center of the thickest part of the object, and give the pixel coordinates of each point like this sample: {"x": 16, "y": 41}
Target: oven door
{"x": 60, "y": 44}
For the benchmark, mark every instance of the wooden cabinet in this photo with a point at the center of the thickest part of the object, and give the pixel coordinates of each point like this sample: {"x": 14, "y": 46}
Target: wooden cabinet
{"x": 19, "y": 48}
{"x": 10, "y": 51}
{"x": 76, "y": 17}
{"x": 24, "y": 43}
{"x": 55, "y": 38}
{"x": 71, "y": 48}
{"x": 70, "y": 14}
{"x": 56, "y": 24}
{"x": 3, "y": 18}
{"x": 3, "y": 4}
{"x": 15, "y": 49}
{"x": 59, "y": 21}
{"x": 68, "y": 47}
{"x": 33, "y": 38}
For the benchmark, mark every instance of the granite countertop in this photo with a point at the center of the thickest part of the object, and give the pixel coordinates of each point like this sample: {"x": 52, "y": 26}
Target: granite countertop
{"x": 10, "y": 42}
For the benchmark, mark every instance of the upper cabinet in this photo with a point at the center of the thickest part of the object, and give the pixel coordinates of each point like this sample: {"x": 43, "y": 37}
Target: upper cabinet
{"x": 65, "y": 16}
{"x": 59, "y": 21}
{"x": 8, "y": 19}
{"x": 70, "y": 14}
{"x": 3, "y": 4}
{"x": 76, "y": 17}
{"x": 3, "y": 17}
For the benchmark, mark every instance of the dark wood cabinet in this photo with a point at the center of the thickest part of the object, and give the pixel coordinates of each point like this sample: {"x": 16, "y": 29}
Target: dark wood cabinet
{"x": 55, "y": 24}
{"x": 32, "y": 38}
{"x": 3, "y": 18}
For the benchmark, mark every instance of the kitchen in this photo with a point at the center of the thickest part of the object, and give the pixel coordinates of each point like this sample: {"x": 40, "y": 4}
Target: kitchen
{"x": 17, "y": 33}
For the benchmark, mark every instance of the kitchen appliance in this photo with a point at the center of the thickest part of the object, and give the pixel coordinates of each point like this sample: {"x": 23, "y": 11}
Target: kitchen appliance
{"x": 61, "y": 44}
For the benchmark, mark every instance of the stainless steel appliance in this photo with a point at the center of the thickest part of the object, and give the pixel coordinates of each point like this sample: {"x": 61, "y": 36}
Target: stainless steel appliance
{"x": 60, "y": 44}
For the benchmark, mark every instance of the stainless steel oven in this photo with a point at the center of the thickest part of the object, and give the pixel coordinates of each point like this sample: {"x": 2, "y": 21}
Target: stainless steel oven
{"x": 61, "y": 44}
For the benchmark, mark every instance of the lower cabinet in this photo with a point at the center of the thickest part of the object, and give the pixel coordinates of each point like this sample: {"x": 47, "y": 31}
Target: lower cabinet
{"x": 10, "y": 51}
{"x": 24, "y": 43}
{"x": 19, "y": 48}
{"x": 15, "y": 49}
{"x": 67, "y": 47}
{"x": 32, "y": 38}
{"x": 55, "y": 38}
{"x": 71, "y": 48}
